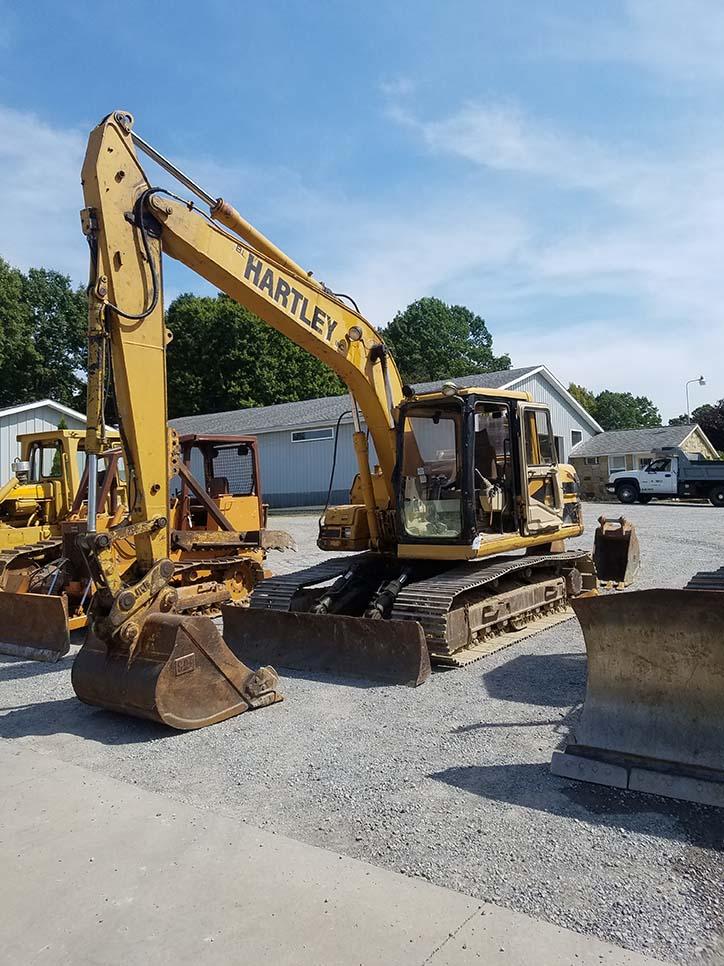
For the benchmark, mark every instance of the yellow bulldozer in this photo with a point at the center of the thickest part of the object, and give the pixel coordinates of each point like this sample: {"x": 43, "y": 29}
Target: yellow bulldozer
{"x": 454, "y": 538}
{"x": 40, "y": 495}
{"x": 220, "y": 539}
{"x": 43, "y": 597}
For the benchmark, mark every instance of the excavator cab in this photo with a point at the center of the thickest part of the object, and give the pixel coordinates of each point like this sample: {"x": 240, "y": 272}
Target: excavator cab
{"x": 475, "y": 467}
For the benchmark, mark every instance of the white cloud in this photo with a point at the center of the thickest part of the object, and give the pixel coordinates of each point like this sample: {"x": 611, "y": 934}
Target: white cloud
{"x": 500, "y": 137}
{"x": 652, "y": 235}
{"x": 671, "y": 38}
{"x": 40, "y": 195}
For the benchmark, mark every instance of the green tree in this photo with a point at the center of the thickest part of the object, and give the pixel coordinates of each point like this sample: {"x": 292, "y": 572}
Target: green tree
{"x": 43, "y": 323}
{"x": 617, "y": 410}
{"x": 622, "y": 410}
{"x": 223, "y": 357}
{"x": 584, "y": 396}
{"x": 15, "y": 343}
{"x": 431, "y": 340}
{"x": 711, "y": 420}
{"x": 59, "y": 324}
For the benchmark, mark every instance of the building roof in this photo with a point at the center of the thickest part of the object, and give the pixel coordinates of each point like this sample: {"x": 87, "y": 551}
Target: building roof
{"x": 622, "y": 441}
{"x": 26, "y": 407}
{"x": 328, "y": 409}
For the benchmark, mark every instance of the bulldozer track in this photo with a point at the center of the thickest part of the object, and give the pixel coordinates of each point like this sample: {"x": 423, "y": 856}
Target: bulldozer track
{"x": 430, "y": 601}
{"x": 37, "y": 553}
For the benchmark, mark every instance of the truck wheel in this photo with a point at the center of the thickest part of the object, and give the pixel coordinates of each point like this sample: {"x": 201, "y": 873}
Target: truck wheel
{"x": 716, "y": 496}
{"x": 626, "y": 493}
{"x": 644, "y": 498}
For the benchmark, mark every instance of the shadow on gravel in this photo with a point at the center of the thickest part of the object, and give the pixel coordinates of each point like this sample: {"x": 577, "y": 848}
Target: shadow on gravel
{"x": 324, "y": 677}
{"x": 561, "y": 723}
{"x": 16, "y": 669}
{"x": 532, "y": 786}
{"x": 551, "y": 680}
{"x": 71, "y": 716}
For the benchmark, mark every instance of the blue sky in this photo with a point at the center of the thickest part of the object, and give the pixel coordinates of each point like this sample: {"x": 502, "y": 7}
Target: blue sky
{"x": 557, "y": 167}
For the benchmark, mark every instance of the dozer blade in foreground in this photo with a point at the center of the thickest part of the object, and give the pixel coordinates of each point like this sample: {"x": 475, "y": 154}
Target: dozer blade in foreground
{"x": 392, "y": 652}
{"x": 34, "y": 626}
{"x": 181, "y": 673}
{"x": 616, "y": 553}
{"x": 653, "y": 716}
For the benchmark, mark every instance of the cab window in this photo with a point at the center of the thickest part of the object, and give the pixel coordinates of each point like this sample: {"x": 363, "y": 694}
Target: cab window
{"x": 659, "y": 466}
{"x": 539, "y": 442}
{"x": 46, "y": 462}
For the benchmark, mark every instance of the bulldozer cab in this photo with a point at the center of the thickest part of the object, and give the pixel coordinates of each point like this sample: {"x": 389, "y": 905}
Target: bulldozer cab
{"x": 219, "y": 487}
{"x": 48, "y": 474}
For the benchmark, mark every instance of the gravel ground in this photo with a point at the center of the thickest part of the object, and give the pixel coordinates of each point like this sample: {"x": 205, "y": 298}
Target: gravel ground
{"x": 449, "y": 781}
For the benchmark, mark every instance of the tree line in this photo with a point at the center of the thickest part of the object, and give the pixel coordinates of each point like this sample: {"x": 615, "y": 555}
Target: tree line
{"x": 223, "y": 357}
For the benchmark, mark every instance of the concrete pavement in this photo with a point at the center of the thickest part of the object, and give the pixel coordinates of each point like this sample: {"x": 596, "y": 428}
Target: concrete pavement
{"x": 96, "y": 871}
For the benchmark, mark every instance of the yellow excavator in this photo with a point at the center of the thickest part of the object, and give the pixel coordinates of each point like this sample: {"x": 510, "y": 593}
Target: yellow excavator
{"x": 455, "y": 535}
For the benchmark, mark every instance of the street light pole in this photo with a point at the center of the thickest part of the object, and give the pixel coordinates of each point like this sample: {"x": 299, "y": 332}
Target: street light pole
{"x": 702, "y": 382}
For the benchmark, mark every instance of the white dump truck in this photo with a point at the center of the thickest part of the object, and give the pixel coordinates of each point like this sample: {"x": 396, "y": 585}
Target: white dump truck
{"x": 670, "y": 474}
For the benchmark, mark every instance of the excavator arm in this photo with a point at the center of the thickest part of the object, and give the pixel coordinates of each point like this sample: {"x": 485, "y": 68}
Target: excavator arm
{"x": 129, "y": 224}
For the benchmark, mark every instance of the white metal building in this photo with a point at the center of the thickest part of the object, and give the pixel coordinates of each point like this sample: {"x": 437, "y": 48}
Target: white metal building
{"x": 296, "y": 439}
{"x": 34, "y": 417}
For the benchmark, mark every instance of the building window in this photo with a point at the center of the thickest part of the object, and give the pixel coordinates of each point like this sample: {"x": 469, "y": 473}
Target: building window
{"x": 591, "y": 461}
{"x": 616, "y": 463}
{"x": 576, "y": 437}
{"x": 312, "y": 435}
{"x": 643, "y": 462}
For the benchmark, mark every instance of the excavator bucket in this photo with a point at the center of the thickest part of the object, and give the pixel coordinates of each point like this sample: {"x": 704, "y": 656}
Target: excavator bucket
{"x": 34, "y": 626}
{"x": 391, "y": 652}
{"x": 653, "y": 716}
{"x": 616, "y": 551}
{"x": 181, "y": 673}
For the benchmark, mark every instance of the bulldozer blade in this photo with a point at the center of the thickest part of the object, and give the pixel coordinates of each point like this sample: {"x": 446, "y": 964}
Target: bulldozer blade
{"x": 181, "y": 674}
{"x": 34, "y": 626}
{"x": 653, "y": 715}
{"x": 616, "y": 553}
{"x": 392, "y": 652}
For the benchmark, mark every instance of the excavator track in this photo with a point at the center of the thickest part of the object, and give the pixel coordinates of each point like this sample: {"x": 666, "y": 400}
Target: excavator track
{"x": 467, "y": 611}
{"x": 276, "y": 593}
{"x": 707, "y": 580}
{"x": 461, "y": 626}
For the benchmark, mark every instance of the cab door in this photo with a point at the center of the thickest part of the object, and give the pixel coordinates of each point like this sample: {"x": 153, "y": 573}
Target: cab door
{"x": 541, "y": 484}
{"x": 660, "y": 478}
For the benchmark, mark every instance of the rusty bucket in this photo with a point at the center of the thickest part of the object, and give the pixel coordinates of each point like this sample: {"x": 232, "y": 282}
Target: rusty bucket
{"x": 616, "y": 553}
{"x": 180, "y": 673}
